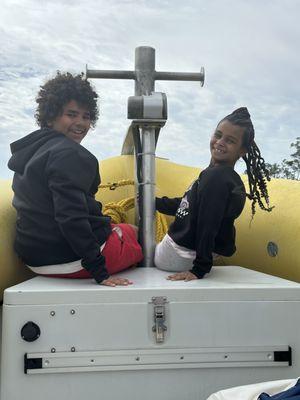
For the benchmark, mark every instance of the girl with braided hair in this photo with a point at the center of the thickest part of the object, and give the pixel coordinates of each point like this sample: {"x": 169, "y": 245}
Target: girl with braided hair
{"x": 204, "y": 217}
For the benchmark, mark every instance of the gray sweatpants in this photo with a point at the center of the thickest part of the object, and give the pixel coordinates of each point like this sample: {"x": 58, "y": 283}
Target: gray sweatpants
{"x": 168, "y": 259}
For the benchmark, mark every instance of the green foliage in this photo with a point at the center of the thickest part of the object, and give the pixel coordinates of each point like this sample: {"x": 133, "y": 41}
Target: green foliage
{"x": 289, "y": 169}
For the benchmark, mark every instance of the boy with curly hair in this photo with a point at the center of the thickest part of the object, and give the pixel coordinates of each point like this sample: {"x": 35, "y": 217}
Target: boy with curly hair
{"x": 60, "y": 229}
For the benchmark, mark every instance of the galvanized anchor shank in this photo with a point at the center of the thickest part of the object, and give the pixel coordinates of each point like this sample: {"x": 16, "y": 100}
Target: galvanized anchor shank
{"x": 145, "y": 76}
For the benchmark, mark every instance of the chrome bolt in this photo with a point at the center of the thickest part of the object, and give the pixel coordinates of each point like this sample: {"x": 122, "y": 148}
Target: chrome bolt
{"x": 72, "y": 312}
{"x": 53, "y": 350}
{"x": 52, "y": 313}
{"x": 73, "y": 349}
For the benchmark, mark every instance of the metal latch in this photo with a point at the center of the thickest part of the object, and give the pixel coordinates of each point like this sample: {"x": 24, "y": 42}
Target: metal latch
{"x": 159, "y": 316}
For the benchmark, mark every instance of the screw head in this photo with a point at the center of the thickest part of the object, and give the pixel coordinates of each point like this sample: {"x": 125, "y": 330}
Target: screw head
{"x": 72, "y": 312}
{"x": 52, "y": 313}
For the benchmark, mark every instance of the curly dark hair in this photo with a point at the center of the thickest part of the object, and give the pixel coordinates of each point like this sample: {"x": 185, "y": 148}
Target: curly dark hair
{"x": 59, "y": 91}
{"x": 257, "y": 172}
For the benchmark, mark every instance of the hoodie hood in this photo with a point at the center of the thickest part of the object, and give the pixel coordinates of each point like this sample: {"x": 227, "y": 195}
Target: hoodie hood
{"x": 23, "y": 149}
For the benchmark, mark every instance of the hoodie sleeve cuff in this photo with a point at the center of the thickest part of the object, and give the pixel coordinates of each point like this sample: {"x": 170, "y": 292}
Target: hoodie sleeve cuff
{"x": 96, "y": 268}
{"x": 158, "y": 202}
{"x": 198, "y": 273}
{"x": 100, "y": 276}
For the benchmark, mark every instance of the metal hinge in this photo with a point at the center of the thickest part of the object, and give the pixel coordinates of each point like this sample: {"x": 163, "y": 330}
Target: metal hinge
{"x": 159, "y": 316}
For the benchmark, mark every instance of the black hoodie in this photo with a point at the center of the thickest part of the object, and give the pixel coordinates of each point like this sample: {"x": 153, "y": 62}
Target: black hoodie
{"x": 204, "y": 216}
{"x": 58, "y": 218}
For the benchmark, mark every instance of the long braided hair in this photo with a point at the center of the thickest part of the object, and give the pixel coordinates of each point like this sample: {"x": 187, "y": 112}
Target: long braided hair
{"x": 258, "y": 175}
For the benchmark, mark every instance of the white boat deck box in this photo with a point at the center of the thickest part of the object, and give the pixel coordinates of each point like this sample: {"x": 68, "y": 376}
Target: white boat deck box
{"x": 155, "y": 339}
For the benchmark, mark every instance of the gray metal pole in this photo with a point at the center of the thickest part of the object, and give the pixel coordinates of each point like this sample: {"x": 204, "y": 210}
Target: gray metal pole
{"x": 107, "y": 74}
{"x": 148, "y": 187}
{"x": 181, "y": 76}
{"x": 144, "y": 85}
{"x": 144, "y": 70}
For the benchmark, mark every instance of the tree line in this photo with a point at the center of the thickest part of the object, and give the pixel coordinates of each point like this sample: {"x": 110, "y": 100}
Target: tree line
{"x": 289, "y": 169}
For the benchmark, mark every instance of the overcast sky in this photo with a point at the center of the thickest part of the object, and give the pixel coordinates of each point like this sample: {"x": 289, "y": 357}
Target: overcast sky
{"x": 249, "y": 49}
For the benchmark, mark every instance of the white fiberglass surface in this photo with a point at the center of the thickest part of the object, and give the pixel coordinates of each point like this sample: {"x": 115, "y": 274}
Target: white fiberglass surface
{"x": 223, "y": 283}
{"x": 225, "y": 276}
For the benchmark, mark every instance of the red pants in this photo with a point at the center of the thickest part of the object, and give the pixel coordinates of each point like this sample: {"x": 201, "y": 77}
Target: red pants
{"x": 121, "y": 251}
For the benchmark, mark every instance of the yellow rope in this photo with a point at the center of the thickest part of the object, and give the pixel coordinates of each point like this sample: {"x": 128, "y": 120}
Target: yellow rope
{"x": 117, "y": 211}
{"x": 161, "y": 226}
{"x": 114, "y": 185}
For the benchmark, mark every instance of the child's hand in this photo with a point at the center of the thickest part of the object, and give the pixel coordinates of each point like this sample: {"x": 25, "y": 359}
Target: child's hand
{"x": 114, "y": 281}
{"x": 182, "y": 276}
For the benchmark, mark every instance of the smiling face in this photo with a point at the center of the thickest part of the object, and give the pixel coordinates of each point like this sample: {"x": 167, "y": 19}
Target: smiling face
{"x": 74, "y": 122}
{"x": 226, "y": 144}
